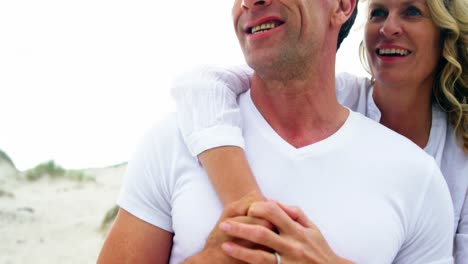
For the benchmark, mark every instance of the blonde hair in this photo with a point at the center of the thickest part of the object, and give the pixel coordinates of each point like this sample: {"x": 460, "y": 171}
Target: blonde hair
{"x": 450, "y": 90}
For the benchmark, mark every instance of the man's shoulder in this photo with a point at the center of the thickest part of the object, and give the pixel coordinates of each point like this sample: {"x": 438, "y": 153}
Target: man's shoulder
{"x": 164, "y": 135}
{"x": 406, "y": 165}
{"x": 386, "y": 142}
{"x": 159, "y": 151}
{"x": 166, "y": 127}
{"x": 376, "y": 131}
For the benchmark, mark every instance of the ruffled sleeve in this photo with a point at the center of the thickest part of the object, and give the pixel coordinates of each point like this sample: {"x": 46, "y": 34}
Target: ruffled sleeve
{"x": 207, "y": 108}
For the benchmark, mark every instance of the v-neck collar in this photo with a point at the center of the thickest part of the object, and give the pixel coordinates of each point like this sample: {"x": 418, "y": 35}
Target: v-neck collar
{"x": 254, "y": 118}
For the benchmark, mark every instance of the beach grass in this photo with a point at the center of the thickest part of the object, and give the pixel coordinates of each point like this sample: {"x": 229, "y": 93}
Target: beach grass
{"x": 54, "y": 171}
{"x": 109, "y": 218}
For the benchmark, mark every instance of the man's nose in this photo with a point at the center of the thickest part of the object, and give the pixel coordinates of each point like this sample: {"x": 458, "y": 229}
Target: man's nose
{"x": 253, "y": 4}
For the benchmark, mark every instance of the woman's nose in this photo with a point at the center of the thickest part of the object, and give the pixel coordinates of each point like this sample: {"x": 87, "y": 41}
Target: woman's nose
{"x": 391, "y": 27}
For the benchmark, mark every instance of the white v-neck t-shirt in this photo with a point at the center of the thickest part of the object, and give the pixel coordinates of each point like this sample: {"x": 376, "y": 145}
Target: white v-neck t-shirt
{"x": 209, "y": 117}
{"x": 375, "y": 196}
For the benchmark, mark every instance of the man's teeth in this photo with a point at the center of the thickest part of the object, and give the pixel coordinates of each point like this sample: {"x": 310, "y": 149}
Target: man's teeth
{"x": 263, "y": 27}
{"x": 400, "y": 52}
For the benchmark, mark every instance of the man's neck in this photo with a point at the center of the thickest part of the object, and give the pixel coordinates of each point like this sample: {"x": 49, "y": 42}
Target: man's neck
{"x": 302, "y": 111}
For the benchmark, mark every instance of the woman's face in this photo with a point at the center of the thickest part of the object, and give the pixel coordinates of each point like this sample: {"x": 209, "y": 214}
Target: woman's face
{"x": 402, "y": 42}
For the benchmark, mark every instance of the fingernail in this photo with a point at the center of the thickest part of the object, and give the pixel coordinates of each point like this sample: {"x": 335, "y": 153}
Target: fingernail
{"x": 226, "y": 247}
{"x": 225, "y": 226}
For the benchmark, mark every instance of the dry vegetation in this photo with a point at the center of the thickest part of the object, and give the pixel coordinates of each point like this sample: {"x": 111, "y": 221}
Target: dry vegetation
{"x": 49, "y": 214}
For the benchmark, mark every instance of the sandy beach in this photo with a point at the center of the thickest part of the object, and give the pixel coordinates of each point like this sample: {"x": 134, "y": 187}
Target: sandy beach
{"x": 55, "y": 220}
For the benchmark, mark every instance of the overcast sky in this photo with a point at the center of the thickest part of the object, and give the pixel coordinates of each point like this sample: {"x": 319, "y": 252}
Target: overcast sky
{"x": 81, "y": 81}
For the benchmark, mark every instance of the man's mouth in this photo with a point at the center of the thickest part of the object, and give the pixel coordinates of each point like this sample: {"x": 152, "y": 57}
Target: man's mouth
{"x": 269, "y": 25}
{"x": 393, "y": 52}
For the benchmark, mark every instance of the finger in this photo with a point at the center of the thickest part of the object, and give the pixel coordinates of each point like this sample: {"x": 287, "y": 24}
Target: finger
{"x": 297, "y": 215}
{"x": 241, "y": 206}
{"x": 253, "y": 256}
{"x": 289, "y": 210}
{"x": 253, "y": 221}
{"x": 237, "y": 208}
{"x": 257, "y": 234}
{"x": 271, "y": 212}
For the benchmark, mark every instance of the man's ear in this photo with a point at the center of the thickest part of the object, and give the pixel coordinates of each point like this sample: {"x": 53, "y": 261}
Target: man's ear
{"x": 344, "y": 9}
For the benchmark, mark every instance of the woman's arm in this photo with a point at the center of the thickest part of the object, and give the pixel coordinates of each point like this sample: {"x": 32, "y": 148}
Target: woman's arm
{"x": 230, "y": 174}
{"x": 210, "y": 122}
{"x": 207, "y": 109}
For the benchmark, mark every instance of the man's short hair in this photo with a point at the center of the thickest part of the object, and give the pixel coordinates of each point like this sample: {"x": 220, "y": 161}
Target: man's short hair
{"x": 346, "y": 27}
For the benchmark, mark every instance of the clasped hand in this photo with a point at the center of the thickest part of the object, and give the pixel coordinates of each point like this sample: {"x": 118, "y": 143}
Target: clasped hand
{"x": 251, "y": 231}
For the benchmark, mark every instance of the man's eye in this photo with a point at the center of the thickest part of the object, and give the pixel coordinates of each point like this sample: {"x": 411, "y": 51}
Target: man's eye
{"x": 412, "y": 11}
{"x": 377, "y": 13}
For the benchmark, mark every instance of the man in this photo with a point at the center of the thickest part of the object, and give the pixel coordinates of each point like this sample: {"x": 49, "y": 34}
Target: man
{"x": 305, "y": 149}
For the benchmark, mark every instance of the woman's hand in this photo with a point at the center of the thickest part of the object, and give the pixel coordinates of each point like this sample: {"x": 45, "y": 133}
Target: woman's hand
{"x": 235, "y": 212}
{"x": 297, "y": 239}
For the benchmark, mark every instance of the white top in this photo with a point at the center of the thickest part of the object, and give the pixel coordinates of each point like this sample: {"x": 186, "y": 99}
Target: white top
{"x": 389, "y": 206}
{"x": 209, "y": 117}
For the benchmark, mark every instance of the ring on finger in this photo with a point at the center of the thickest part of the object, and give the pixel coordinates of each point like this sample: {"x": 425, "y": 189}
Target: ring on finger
{"x": 278, "y": 258}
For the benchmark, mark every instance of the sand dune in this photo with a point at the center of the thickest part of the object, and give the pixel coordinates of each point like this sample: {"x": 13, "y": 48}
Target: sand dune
{"x": 55, "y": 220}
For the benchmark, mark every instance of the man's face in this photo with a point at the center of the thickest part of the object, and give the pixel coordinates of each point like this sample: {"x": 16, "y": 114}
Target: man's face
{"x": 281, "y": 33}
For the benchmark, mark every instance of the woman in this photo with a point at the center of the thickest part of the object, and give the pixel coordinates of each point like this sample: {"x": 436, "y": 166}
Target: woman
{"x": 417, "y": 53}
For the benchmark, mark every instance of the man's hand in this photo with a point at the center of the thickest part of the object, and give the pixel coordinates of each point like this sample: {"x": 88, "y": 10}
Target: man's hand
{"x": 235, "y": 212}
{"x": 298, "y": 240}
{"x": 212, "y": 252}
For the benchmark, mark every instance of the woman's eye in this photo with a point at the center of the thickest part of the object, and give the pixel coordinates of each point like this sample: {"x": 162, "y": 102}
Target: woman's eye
{"x": 412, "y": 11}
{"x": 377, "y": 13}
